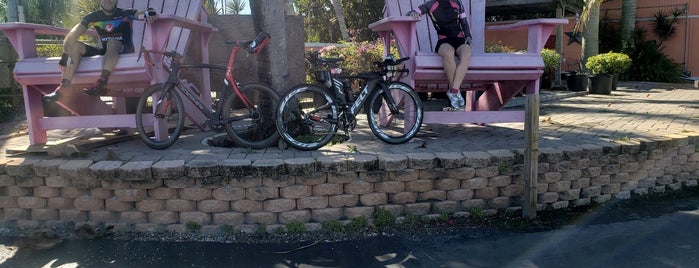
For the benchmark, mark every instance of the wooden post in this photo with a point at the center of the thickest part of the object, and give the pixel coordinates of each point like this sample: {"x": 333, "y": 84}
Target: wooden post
{"x": 531, "y": 156}
{"x": 560, "y": 10}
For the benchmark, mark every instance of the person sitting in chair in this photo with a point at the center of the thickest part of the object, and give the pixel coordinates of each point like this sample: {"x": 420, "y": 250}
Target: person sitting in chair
{"x": 114, "y": 27}
{"x": 454, "y": 39}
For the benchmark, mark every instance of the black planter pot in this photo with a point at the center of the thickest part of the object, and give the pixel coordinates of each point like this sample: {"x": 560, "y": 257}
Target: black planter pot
{"x": 546, "y": 81}
{"x": 601, "y": 84}
{"x": 615, "y": 80}
{"x": 577, "y": 82}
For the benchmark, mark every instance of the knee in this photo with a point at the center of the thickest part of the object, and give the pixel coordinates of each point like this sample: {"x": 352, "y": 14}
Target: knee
{"x": 448, "y": 60}
{"x": 113, "y": 46}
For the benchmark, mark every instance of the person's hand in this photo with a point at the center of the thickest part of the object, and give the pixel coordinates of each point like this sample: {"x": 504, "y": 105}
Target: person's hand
{"x": 414, "y": 14}
{"x": 150, "y": 15}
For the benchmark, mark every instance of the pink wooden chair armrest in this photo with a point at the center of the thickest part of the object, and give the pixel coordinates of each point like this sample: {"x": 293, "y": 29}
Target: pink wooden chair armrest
{"x": 177, "y": 21}
{"x": 23, "y": 36}
{"x": 388, "y": 23}
{"x": 526, "y": 24}
{"x": 539, "y": 31}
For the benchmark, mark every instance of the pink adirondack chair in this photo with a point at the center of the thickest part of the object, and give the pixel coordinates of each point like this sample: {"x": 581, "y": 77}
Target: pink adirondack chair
{"x": 499, "y": 76}
{"x": 179, "y": 22}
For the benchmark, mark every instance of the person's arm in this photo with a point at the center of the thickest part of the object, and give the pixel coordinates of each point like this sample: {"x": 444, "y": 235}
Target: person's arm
{"x": 463, "y": 20}
{"x": 420, "y": 10}
{"x": 466, "y": 29}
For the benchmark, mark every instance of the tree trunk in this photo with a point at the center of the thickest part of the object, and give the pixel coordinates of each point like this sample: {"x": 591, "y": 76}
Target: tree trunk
{"x": 628, "y": 22}
{"x": 340, "y": 15}
{"x": 590, "y": 44}
{"x": 269, "y": 16}
{"x": 290, "y": 7}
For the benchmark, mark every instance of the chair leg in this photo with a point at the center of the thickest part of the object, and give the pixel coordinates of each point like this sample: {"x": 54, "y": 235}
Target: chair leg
{"x": 34, "y": 110}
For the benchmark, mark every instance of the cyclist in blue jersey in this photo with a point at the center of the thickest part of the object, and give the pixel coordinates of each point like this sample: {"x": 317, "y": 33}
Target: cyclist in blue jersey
{"x": 114, "y": 28}
{"x": 454, "y": 39}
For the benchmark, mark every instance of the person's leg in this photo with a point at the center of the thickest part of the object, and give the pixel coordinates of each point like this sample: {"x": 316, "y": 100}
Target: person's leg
{"x": 464, "y": 54}
{"x": 446, "y": 51}
{"x": 73, "y": 51}
{"x": 109, "y": 62}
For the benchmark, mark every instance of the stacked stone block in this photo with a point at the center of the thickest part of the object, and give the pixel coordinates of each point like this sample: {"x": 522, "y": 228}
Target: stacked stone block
{"x": 245, "y": 194}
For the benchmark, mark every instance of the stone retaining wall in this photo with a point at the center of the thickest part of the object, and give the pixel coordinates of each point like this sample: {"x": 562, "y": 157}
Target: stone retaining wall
{"x": 170, "y": 195}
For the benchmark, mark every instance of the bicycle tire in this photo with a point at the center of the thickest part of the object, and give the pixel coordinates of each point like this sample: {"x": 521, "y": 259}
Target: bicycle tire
{"x": 254, "y": 126}
{"x": 163, "y": 114}
{"x": 395, "y": 128}
{"x": 298, "y": 106}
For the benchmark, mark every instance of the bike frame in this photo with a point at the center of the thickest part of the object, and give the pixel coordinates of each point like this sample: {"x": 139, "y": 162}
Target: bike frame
{"x": 173, "y": 80}
{"x": 371, "y": 86}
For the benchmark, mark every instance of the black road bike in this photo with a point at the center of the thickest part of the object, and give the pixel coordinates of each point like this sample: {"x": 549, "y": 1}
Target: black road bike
{"x": 309, "y": 115}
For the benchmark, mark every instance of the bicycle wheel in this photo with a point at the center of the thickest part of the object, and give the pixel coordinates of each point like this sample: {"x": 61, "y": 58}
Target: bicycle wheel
{"x": 400, "y": 127}
{"x": 252, "y": 125}
{"x": 161, "y": 107}
{"x": 306, "y": 117}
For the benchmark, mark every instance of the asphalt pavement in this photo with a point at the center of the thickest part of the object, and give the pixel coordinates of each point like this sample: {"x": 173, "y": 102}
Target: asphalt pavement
{"x": 654, "y": 234}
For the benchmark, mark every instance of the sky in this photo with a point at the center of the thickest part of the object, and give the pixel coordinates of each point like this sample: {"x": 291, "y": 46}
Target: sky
{"x": 245, "y": 11}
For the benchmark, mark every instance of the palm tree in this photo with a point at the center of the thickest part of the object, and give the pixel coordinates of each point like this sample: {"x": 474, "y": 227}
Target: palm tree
{"x": 210, "y": 6}
{"x": 269, "y": 16}
{"x": 628, "y": 23}
{"x": 234, "y": 7}
{"x": 340, "y": 15}
{"x": 589, "y": 20}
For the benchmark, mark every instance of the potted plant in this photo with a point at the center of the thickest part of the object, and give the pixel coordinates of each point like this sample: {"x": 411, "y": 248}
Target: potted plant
{"x": 551, "y": 59}
{"x": 618, "y": 63}
{"x": 601, "y": 78}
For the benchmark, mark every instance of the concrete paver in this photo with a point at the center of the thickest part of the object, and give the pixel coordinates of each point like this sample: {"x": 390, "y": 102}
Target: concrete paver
{"x": 636, "y": 111}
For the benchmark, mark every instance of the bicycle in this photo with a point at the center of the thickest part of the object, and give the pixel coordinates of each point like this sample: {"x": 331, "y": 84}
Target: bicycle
{"x": 246, "y": 112}
{"x": 309, "y": 115}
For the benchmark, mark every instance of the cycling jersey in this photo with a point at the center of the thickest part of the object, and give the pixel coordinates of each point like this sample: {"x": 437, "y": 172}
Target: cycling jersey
{"x": 116, "y": 26}
{"x": 448, "y": 18}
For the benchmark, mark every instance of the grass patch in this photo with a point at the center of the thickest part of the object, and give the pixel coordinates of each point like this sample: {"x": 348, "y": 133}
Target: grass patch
{"x": 383, "y": 218}
{"x": 332, "y": 226}
{"x": 193, "y": 226}
{"x": 357, "y": 224}
{"x": 295, "y": 228}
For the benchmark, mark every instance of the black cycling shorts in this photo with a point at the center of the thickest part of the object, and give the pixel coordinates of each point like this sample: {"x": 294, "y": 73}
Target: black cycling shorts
{"x": 455, "y": 42}
{"x": 94, "y": 51}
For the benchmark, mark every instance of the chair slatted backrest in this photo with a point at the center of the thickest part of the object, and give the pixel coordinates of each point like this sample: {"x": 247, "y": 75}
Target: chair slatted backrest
{"x": 427, "y": 36}
{"x": 189, "y": 9}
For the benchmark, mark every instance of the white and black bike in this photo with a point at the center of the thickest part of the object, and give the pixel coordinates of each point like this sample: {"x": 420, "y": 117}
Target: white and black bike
{"x": 309, "y": 115}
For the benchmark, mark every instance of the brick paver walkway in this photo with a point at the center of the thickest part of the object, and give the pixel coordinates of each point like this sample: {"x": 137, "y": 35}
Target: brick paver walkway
{"x": 637, "y": 111}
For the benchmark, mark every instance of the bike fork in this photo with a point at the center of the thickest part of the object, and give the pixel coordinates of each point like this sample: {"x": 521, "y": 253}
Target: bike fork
{"x": 392, "y": 105}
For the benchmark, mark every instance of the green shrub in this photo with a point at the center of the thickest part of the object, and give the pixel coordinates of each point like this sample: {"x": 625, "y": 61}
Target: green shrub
{"x": 608, "y": 63}
{"x": 597, "y": 65}
{"x": 651, "y": 64}
{"x": 551, "y": 59}
{"x": 498, "y": 47}
{"x": 358, "y": 57}
{"x": 51, "y": 50}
